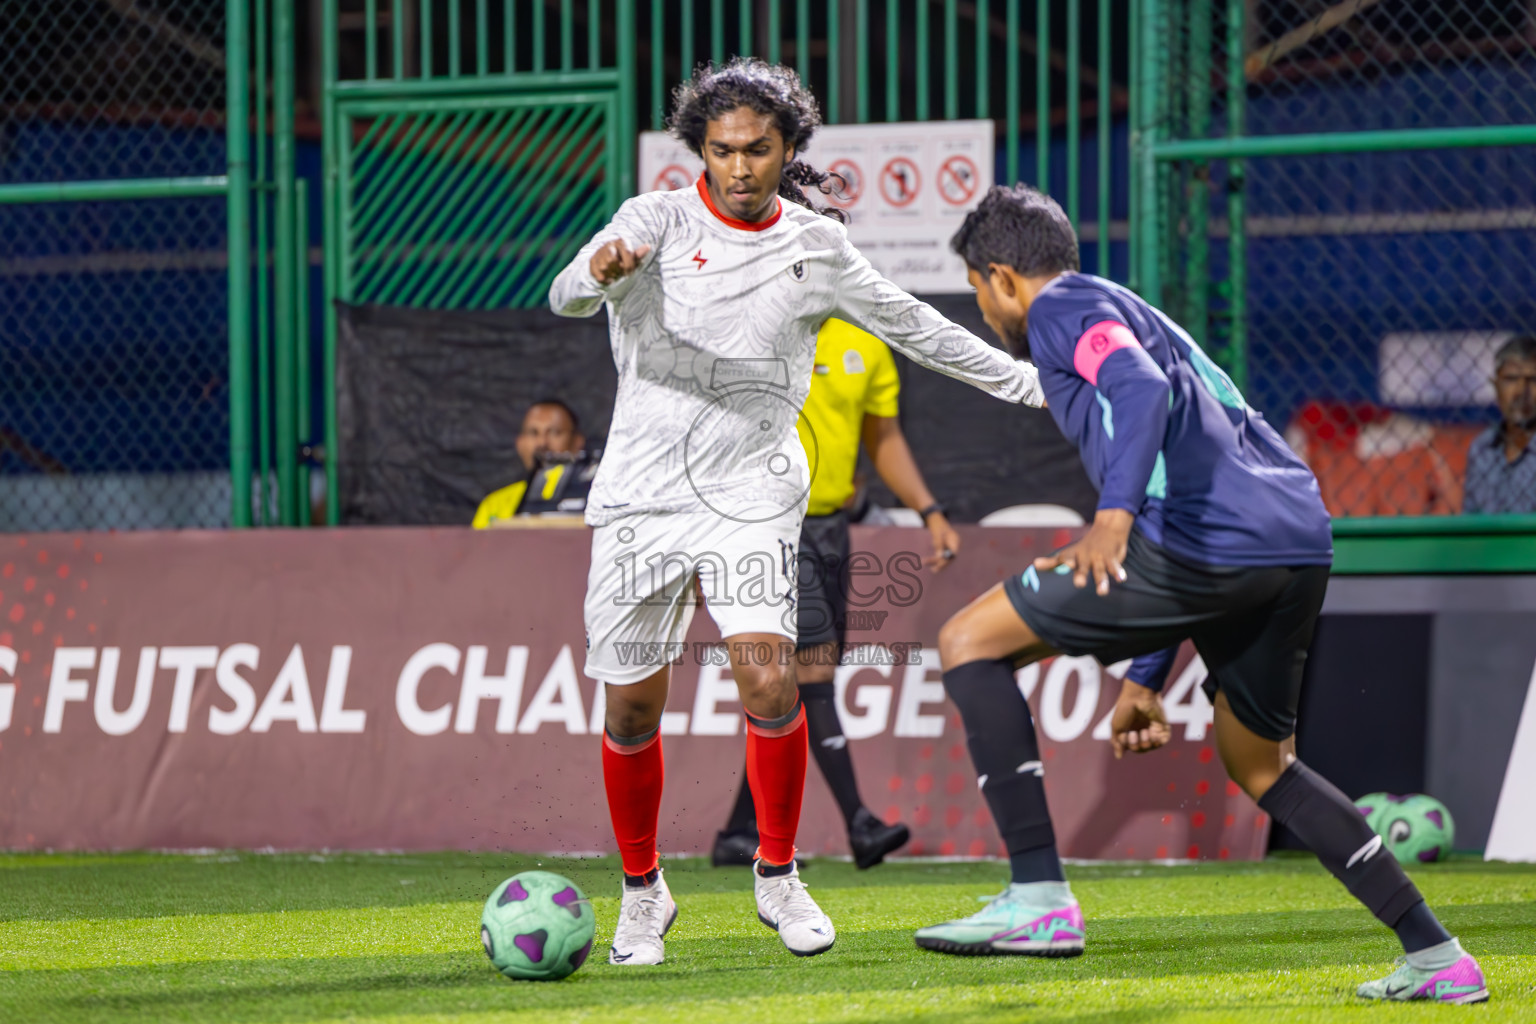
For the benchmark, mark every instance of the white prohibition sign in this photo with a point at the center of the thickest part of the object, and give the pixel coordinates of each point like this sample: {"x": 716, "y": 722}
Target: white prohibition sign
{"x": 957, "y": 180}
{"x": 853, "y": 183}
{"x": 671, "y": 178}
{"x": 899, "y": 181}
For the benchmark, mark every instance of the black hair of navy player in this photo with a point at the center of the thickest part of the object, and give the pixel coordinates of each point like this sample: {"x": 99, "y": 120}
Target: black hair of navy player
{"x": 1019, "y": 227}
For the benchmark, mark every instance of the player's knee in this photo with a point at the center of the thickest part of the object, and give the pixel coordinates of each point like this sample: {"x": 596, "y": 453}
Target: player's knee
{"x": 767, "y": 690}
{"x": 1252, "y": 761}
{"x": 631, "y": 715}
{"x": 1255, "y": 774}
{"x": 957, "y": 641}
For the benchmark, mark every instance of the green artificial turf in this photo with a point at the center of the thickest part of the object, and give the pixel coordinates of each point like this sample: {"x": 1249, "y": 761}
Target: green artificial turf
{"x": 251, "y": 937}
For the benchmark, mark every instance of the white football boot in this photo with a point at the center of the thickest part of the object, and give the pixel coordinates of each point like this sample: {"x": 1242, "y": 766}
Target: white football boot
{"x": 785, "y": 906}
{"x": 645, "y": 914}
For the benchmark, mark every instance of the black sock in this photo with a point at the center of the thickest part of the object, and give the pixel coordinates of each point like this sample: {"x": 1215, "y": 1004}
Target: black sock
{"x": 1000, "y": 733}
{"x": 640, "y": 881}
{"x": 1420, "y": 929}
{"x": 1324, "y": 819}
{"x": 744, "y": 814}
{"x": 1038, "y": 865}
{"x": 830, "y": 747}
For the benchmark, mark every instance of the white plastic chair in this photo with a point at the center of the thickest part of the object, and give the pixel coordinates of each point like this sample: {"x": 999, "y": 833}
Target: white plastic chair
{"x": 879, "y": 516}
{"x": 1033, "y": 515}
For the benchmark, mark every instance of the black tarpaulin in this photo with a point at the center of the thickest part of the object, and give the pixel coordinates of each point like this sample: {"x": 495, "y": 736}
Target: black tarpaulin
{"x": 430, "y": 402}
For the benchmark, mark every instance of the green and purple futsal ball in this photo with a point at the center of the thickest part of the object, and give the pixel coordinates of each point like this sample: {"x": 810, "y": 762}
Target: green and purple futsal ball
{"x": 1417, "y": 828}
{"x": 537, "y": 926}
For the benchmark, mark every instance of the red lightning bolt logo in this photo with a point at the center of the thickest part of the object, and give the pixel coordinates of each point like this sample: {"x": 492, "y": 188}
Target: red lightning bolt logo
{"x": 698, "y": 258}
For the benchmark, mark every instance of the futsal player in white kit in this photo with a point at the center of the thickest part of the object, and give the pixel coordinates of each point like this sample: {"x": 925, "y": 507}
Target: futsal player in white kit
{"x": 714, "y": 297}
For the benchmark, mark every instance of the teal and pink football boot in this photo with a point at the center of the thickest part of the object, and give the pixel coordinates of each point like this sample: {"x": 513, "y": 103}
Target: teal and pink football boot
{"x": 1037, "y": 919}
{"x": 1462, "y": 982}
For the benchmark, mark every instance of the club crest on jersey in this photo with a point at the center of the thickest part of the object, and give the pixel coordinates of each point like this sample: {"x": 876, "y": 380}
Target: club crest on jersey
{"x": 798, "y": 271}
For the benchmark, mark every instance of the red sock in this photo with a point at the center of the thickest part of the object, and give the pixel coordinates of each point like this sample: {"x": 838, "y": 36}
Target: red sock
{"x": 776, "y": 753}
{"x": 633, "y": 774}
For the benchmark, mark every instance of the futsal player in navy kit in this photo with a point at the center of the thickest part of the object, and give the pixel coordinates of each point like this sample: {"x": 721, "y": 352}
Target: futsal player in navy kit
{"x": 1208, "y": 528}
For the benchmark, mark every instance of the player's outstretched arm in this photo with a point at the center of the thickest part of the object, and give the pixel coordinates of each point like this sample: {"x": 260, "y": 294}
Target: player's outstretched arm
{"x": 614, "y": 255}
{"x": 919, "y": 332}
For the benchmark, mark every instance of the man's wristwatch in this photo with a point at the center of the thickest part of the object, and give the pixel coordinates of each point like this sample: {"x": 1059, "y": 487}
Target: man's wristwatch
{"x": 931, "y": 509}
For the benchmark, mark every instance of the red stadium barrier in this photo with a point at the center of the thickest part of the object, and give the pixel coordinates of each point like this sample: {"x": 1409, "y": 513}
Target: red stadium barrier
{"x": 422, "y": 689}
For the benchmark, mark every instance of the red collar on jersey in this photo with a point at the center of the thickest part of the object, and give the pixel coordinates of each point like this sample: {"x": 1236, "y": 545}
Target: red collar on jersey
{"x": 743, "y": 225}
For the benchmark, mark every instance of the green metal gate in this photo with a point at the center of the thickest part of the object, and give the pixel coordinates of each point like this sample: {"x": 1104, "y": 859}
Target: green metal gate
{"x": 466, "y": 177}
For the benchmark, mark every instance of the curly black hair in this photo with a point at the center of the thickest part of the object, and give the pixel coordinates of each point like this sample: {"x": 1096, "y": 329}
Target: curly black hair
{"x": 1018, "y": 227}
{"x": 772, "y": 89}
{"x": 799, "y": 176}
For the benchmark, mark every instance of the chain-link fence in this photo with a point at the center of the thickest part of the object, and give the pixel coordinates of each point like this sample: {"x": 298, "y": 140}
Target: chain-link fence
{"x": 1386, "y": 263}
{"x": 114, "y": 383}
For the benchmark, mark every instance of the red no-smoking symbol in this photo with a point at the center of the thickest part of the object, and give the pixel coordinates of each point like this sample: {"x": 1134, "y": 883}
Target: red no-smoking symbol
{"x": 847, "y": 191}
{"x": 899, "y": 181}
{"x": 672, "y": 178}
{"x": 957, "y": 180}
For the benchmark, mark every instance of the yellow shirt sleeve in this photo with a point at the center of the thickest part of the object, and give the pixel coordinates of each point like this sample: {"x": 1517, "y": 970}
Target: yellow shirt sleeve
{"x": 500, "y": 504}
{"x": 884, "y": 384}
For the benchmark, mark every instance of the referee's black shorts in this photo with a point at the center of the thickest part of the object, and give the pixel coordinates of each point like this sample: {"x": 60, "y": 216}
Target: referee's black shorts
{"x": 821, "y": 606}
{"x": 1251, "y": 624}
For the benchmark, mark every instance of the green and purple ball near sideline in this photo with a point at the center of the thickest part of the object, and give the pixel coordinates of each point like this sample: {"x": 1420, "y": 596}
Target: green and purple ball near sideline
{"x": 537, "y": 926}
{"x": 1417, "y": 828}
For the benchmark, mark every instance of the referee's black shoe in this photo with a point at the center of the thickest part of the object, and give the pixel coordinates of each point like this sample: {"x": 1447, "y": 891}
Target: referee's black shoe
{"x": 734, "y": 848}
{"x": 872, "y": 838}
{"x": 737, "y": 848}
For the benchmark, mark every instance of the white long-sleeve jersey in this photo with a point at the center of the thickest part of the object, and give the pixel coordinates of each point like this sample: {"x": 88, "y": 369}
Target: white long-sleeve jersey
{"x": 714, "y": 338}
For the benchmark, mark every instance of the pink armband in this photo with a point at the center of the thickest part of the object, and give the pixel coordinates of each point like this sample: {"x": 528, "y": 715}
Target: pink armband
{"x": 1095, "y": 346}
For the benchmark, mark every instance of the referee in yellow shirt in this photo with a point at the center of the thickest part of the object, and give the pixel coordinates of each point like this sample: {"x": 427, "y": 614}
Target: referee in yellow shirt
{"x": 853, "y": 398}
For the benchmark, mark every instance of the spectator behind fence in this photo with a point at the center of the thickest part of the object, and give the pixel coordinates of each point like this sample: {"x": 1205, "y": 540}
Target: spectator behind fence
{"x": 550, "y": 447}
{"x": 1501, "y": 468}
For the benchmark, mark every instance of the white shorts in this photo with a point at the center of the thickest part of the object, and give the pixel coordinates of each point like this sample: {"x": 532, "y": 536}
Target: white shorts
{"x": 641, "y": 594}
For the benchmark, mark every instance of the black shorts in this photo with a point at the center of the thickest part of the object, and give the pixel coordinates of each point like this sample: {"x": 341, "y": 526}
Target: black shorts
{"x": 1251, "y": 624}
{"x": 821, "y": 607}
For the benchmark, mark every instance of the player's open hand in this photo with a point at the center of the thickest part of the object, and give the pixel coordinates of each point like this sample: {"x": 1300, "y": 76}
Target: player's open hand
{"x": 1138, "y": 723}
{"x": 616, "y": 260}
{"x": 946, "y": 542}
{"x": 1100, "y": 554}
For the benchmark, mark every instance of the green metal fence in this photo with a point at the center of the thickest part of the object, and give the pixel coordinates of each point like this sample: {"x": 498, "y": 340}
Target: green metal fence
{"x": 1337, "y": 199}
{"x": 1291, "y": 164}
{"x": 150, "y": 353}
{"x": 470, "y": 148}
{"x": 122, "y": 208}
{"x": 279, "y": 315}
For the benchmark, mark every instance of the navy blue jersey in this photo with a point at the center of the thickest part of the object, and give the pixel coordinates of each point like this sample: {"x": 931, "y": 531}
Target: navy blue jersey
{"x": 1166, "y": 435}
